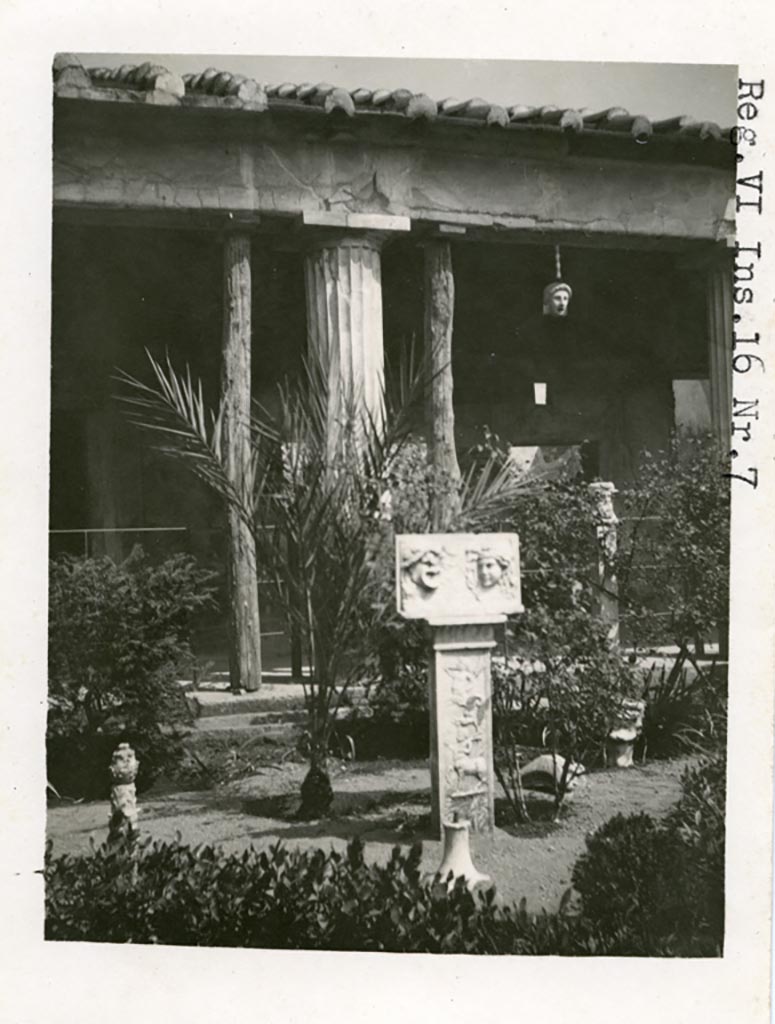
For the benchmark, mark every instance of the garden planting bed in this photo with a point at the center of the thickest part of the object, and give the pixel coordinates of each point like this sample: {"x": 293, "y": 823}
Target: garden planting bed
{"x": 386, "y": 803}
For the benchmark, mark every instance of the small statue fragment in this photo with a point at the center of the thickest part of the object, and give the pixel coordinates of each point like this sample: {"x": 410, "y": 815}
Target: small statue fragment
{"x": 625, "y": 730}
{"x": 123, "y": 798}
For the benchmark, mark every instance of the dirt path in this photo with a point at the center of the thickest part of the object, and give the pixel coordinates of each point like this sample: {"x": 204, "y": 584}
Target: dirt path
{"x": 386, "y": 803}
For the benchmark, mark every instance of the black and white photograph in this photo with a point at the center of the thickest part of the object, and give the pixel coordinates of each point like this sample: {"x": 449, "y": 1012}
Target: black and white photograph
{"x": 399, "y": 411}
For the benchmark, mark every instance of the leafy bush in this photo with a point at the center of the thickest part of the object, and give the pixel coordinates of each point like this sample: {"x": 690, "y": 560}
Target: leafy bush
{"x": 118, "y": 639}
{"x": 402, "y": 733}
{"x": 621, "y": 872}
{"x": 566, "y": 700}
{"x": 647, "y": 889}
{"x": 698, "y": 822}
{"x": 171, "y": 893}
{"x": 683, "y": 710}
{"x": 673, "y": 559}
{"x": 660, "y": 887}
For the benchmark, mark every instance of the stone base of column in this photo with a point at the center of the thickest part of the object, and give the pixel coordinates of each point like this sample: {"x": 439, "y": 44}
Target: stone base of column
{"x": 462, "y": 774}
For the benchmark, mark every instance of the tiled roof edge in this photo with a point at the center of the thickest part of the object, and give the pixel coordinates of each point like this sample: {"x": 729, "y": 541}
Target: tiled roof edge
{"x": 211, "y": 87}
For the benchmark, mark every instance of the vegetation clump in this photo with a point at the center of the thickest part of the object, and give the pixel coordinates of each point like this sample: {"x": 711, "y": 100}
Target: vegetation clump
{"x": 647, "y": 889}
{"x": 119, "y": 639}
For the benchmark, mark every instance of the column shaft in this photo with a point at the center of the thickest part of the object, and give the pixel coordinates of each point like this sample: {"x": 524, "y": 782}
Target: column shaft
{"x": 344, "y": 325}
{"x": 244, "y": 624}
{"x": 439, "y": 412}
{"x": 719, "y": 290}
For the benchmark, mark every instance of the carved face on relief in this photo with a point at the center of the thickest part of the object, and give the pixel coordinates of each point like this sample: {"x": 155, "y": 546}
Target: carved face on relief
{"x": 424, "y": 569}
{"x": 490, "y": 569}
{"x": 557, "y": 296}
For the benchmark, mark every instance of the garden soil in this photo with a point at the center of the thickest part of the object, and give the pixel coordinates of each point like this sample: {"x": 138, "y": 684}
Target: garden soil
{"x": 386, "y": 803}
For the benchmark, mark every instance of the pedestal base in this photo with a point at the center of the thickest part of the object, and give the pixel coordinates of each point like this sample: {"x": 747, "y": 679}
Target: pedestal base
{"x": 462, "y": 774}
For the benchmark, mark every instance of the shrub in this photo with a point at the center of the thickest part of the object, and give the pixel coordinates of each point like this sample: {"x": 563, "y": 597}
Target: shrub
{"x": 402, "y": 733}
{"x": 564, "y": 693}
{"x": 619, "y": 876}
{"x": 673, "y": 559}
{"x": 171, "y": 893}
{"x": 660, "y": 887}
{"x": 118, "y": 639}
{"x": 683, "y": 710}
{"x": 698, "y": 822}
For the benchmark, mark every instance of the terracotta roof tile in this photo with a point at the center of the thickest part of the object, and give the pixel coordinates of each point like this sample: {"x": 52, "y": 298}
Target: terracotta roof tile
{"x": 212, "y": 87}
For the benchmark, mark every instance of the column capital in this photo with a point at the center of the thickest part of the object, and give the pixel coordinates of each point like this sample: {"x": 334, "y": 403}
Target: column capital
{"x": 331, "y": 229}
{"x": 344, "y": 219}
{"x": 319, "y": 239}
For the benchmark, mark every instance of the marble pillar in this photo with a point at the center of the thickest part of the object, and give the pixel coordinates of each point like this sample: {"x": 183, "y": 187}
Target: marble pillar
{"x": 462, "y": 585}
{"x": 462, "y": 774}
{"x": 344, "y": 323}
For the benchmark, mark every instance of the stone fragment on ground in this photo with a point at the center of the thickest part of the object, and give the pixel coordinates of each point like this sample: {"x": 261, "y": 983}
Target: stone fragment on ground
{"x": 545, "y": 772}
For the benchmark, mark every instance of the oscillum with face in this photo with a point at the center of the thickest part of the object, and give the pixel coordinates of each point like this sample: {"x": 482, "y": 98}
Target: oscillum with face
{"x": 557, "y": 296}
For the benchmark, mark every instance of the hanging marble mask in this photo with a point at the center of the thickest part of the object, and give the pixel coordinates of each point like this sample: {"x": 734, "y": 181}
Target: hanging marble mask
{"x": 558, "y": 294}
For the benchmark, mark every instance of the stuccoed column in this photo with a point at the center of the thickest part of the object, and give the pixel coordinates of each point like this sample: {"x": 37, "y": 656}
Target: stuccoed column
{"x": 720, "y": 309}
{"x": 344, "y": 321}
{"x": 439, "y": 410}
{"x": 463, "y": 585}
{"x": 244, "y": 619}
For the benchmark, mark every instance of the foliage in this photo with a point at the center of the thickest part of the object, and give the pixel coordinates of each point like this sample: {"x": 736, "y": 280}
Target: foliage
{"x": 313, "y": 495}
{"x": 684, "y": 709}
{"x": 401, "y": 733}
{"x": 698, "y": 822}
{"x": 564, "y": 691}
{"x": 673, "y": 560}
{"x": 647, "y": 889}
{"x": 518, "y": 719}
{"x": 118, "y": 639}
{"x": 660, "y": 887}
{"x": 171, "y": 893}
{"x": 620, "y": 875}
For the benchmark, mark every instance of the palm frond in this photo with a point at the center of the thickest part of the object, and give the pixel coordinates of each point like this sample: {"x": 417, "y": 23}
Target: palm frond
{"x": 175, "y": 415}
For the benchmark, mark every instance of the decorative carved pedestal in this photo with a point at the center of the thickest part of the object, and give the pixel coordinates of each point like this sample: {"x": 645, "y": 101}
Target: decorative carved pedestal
{"x": 462, "y": 585}
{"x": 462, "y": 775}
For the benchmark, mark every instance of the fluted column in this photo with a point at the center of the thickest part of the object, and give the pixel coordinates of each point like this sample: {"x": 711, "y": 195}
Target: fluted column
{"x": 719, "y": 292}
{"x": 344, "y": 322}
{"x": 244, "y": 626}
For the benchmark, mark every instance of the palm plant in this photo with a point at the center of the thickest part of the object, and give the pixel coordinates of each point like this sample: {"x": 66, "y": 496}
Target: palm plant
{"x": 311, "y": 496}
